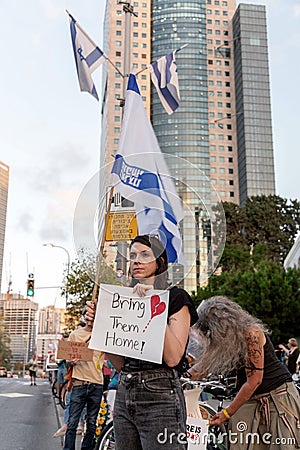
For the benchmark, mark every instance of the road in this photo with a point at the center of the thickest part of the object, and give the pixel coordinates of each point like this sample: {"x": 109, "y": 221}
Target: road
{"x": 29, "y": 416}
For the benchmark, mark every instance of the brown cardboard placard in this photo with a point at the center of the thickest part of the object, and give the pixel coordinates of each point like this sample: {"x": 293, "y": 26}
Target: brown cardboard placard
{"x": 74, "y": 350}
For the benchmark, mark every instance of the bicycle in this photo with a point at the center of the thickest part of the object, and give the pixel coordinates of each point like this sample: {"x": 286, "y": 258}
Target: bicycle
{"x": 221, "y": 389}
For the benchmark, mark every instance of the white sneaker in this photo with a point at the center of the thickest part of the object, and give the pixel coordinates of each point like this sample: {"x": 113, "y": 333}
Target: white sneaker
{"x": 60, "y": 432}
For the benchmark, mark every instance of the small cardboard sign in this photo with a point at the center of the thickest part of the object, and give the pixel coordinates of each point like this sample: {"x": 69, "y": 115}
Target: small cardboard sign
{"x": 74, "y": 350}
{"x": 128, "y": 325}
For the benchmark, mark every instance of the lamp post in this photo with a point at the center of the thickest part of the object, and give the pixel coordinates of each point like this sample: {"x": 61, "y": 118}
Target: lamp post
{"x": 68, "y": 264}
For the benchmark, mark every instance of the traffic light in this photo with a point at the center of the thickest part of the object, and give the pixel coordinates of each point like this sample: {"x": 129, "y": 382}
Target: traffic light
{"x": 30, "y": 285}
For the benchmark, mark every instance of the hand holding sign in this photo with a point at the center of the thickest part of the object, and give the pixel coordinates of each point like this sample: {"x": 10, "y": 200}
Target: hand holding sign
{"x": 157, "y": 308}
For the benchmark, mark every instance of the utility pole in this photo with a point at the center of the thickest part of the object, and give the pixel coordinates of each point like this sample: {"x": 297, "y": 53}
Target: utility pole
{"x": 121, "y": 258}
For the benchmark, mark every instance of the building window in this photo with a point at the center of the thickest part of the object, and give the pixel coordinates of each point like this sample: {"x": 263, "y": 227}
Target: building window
{"x": 221, "y": 159}
{"x": 230, "y": 171}
{"x": 135, "y": 65}
{"x": 117, "y": 107}
{"x": 225, "y": 32}
{"x": 230, "y": 160}
{"x": 229, "y": 149}
{"x": 118, "y": 64}
{"x": 226, "y": 63}
{"x": 212, "y": 147}
{"x": 117, "y": 118}
{"x": 220, "y": 104}
{"x": 116, "y": 141}
{"x": 228, "y": 126}
{"x": 118, "y": 43}
{"x": 144, "y": 25}
{"x": 220, "y": 137}
{"x": 221, "y": 148}
{"x": 222, "y": 170}
{"x": 135, "y": 55}
{"x": 219, "y": 73}
{"x": 144, "y": 77}
{"x": 210, "y": 72}
{"x": 229, "y": 138}
{"x": 144, "y": 35}
{"x": 228, "y": 94}
{"x": 211, "y": 136}
{"x": 213, "y": 170}
{"x": 231, "y": 182}
{"x": 117, "y": 85}
{"x": 213, "y": 181}
{"x": 118, "y": 53}
{"x": 212, "y": 104}
{"x": 219, "y": 94}
{"x": 118, "y": 33}
{"x": 135, "y": 34}
{"x": 135, "y": 44}
{"x": 144, "y": 88}
{"x": 117, "y": 129}
{"x": 135, "y": 24}
{"x": 228, "y": 105}
{"x": 119, "y": 22}
{"x": 227, "y": 83}
{"x": 227, "y": 74}
{"x": 213, "y": 159}
{"x": 210, "y": 61}
{"x": 144, "y": 56}
{"x": 231, "y": 194}
{"x": 222, "y": 182}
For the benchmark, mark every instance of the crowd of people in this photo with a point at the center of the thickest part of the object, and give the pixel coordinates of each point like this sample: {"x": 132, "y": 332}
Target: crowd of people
{"x": 149, "y": 396}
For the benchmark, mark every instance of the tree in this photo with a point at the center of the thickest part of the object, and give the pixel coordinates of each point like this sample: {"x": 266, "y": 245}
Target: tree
{"x": 264, "y": 228}
{"x": 266, "y": 291}
{"x": 80, "y": 284}
{"x": 5, "y": 352}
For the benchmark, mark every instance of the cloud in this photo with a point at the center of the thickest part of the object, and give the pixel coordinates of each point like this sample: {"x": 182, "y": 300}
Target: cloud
{"x": 296, "y": 9}
{"x": 61, "y": 166}
{"x": 25, "y": 222}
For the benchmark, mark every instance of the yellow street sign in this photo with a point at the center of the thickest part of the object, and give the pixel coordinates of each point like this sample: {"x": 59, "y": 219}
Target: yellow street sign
{"x": 122, "y": 226}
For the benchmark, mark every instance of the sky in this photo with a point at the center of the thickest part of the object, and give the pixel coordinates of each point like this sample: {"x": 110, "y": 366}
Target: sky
{"x": 50, "y": 131}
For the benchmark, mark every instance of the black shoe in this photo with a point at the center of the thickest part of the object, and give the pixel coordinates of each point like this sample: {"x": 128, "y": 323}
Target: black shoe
{"x": 30, "y": 384}
{"x": 35, "y": 384}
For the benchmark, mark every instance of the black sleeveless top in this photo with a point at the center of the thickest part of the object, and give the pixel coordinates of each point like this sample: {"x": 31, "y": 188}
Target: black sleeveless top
{"x": 275, "y": 373}
{"x": 177, "y": 299}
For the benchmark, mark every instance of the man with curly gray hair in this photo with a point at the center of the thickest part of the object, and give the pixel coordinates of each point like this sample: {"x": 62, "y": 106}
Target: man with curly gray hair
{"x": 267, "y": 403}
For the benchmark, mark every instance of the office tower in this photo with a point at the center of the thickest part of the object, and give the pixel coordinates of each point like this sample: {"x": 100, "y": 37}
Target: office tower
{"x": 224, "y": 82}
{"x": 19, "y": 317}
{"x": 4, "y": 177}
{"x": 252, "y": 86}
{"x": 51, "y": 326}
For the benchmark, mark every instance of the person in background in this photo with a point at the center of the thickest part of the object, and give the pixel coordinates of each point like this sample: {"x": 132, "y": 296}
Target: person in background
{"x": 292, "y": 354}
{"x": 107, "y": 371}
{"x": 87, "y": 388}
{"x": 32, "y": 367}
{"x": 149, "y": 398}
{"x": 267, "y": 402}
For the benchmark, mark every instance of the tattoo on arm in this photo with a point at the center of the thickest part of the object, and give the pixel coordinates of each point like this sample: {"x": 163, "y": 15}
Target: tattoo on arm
{"x": 255, "y": 350}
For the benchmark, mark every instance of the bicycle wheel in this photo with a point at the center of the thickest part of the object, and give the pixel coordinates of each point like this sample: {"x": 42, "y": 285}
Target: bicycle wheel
{"x": 62, "y": 394}
{"x": 217, "y": 435}
{"x": 106, "y": 440}
{"x": 54, "y": 388}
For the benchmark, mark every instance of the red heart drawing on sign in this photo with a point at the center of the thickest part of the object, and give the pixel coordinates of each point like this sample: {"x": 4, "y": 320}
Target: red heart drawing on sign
{"x": 157, "y": 307}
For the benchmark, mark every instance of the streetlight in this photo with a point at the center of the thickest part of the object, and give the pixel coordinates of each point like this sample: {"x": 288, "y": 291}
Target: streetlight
{"x": 68, "y": 264}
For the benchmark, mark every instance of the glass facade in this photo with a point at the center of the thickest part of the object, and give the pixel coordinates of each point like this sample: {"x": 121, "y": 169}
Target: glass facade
{"x": 184, "y": 134}
{"x": 254, "y": 126}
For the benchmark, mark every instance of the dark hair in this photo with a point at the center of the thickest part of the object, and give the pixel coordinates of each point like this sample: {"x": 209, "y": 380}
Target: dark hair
{"x": 159, "y": 251}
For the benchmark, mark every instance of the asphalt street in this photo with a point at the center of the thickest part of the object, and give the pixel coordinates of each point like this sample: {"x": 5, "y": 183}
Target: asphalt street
{"x": 29, "y": 416}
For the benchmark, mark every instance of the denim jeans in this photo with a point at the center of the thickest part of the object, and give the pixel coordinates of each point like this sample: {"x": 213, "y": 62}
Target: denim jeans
{"x": 89, "y": 394}
{"x": 67, "y": 408}
{"x": 149, "y": 411}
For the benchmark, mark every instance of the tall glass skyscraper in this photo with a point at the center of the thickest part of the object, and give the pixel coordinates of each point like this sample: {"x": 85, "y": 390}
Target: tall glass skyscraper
{"x": 214, "y": 146}
{"x": 4, "y": 178}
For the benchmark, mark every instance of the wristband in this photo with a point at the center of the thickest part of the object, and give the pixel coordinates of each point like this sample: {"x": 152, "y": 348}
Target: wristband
{"x": 226, "y": 414}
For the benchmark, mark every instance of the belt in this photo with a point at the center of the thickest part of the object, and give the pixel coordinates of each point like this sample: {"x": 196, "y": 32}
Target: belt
{"x": 77, "y": 382}
{"x": 139, "y": 375}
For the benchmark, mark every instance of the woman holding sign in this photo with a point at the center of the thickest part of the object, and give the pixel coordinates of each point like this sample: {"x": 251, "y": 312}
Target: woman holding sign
{"x": 149, "y": 411}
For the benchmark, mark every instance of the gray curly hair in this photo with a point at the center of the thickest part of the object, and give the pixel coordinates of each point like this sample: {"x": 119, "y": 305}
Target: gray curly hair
{"x": 221, "y": 327}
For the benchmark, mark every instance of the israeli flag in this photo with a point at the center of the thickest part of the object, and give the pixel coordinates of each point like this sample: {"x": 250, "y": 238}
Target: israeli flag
{"x": 87, "y": 57}
{"x": 141, "y": 175}
{"x": 165, "y": 79}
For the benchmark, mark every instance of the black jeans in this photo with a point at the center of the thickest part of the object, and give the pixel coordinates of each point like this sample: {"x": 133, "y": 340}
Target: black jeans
{"x": 149, "y": 411}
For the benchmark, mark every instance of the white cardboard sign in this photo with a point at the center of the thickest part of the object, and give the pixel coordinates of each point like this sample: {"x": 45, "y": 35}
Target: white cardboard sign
{"x": 128, "y": 325}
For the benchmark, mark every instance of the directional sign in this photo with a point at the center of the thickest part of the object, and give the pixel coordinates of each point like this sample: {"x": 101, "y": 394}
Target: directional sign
{"x": 122, "y": 226}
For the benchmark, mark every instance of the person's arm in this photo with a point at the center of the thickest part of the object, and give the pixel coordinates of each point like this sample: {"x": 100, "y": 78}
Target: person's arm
{"x": 284, "y": 348}
{"x": 176, "y": 336}
{"x": 254, "y": 371}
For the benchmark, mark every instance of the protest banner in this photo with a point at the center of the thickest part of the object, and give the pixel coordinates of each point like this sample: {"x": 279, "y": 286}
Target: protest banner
{"x": 74, "y": 350}
{"x": 128, "y": 325}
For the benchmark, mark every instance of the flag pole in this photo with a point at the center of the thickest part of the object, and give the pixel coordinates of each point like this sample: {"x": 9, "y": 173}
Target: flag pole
{"x": 101, "y": 251}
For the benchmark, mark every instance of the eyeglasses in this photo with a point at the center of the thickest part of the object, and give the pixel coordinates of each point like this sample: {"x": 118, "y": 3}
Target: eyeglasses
{"x": 143, "y": 257}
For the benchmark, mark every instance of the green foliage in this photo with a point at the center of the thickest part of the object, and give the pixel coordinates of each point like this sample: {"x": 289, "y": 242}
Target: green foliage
{"x": 266, "y": 291}
{"x": 259, "y": 236}
{"x": 79, "y": 284}
{"x": 5, "y": 352}
{"x": 264, "y": 228}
